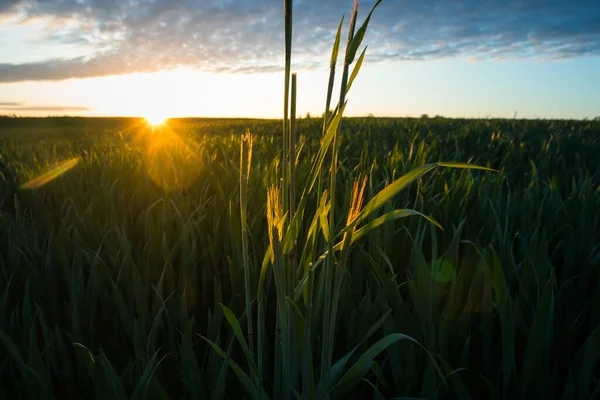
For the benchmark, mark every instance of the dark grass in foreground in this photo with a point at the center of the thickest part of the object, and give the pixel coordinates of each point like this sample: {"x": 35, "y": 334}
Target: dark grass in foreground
{"x": 113, "y": 271}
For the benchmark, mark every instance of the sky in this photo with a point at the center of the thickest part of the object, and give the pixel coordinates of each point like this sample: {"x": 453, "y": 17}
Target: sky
{"x": 224, "y": 58}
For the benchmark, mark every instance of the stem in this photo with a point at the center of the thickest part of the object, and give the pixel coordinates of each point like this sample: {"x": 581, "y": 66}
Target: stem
{"x": 245, "y": 162}
{"x": 307, "y": 376}
{"x": 292, "y": 150}
{"x": 331, "y": 311}
{"x": 286, "y": 283}
{"x": 287, "y": 12}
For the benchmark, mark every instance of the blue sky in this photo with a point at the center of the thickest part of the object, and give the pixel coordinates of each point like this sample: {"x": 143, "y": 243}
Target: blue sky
{"x": 457, "y": 58}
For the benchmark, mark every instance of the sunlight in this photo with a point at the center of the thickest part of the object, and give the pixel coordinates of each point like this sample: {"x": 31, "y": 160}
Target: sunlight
{"x": 170, "y": 160}
{"x": 155, "y": 119}
{"x": 176, "y": 93}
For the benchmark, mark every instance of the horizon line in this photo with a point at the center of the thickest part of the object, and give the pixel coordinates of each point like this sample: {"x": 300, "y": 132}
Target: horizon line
{"x": 422, "y": 116}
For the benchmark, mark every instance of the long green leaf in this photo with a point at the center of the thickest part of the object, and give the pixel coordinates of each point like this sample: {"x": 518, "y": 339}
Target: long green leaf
{"x": 390, "y": 216}
{"x": 338, "y": 368}
{"x": 239, "y": 372}
{"x": 141, "y": 388}
{"x": 461, "y": 165}
{"x": 536, "y": 351}
{"x": 388, "y": 192}
{"x": 237, "y": 330}
{"x": 336, "y": 45}
{"x": 356, "y": 70}
{"x": 364, "y": 363}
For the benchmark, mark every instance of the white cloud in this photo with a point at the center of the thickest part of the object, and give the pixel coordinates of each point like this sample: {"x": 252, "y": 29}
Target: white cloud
{"x": 247, "y": 35}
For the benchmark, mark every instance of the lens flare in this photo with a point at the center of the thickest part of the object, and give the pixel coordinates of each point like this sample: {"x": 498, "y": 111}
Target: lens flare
{"x": 171, "y": 160}
{"x": 52, "y": 174}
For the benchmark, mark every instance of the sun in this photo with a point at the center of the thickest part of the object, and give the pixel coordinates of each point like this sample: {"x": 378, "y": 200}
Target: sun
{"x": 156, "y": 119}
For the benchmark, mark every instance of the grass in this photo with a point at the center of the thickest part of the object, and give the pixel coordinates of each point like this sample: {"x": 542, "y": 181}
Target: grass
{"x": 196, "y": 261}
{"x": 105, "y": 257}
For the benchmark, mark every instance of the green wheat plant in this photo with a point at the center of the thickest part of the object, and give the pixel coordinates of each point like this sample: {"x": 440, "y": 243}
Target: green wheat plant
{"x": 295, "y": 372}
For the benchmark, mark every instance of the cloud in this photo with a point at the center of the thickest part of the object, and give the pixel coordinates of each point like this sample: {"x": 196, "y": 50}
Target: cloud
{"x": 15, "y": 107}
{"x": 246, "y": 36}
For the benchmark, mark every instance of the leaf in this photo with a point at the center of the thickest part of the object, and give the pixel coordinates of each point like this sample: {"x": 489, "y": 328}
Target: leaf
{"x": 336, "y": 45}
{"x": 457, "y": 384}
{"x": 324, "y": 211}
{"x": 291, "y": 234}
{"x": 155, "y": 326}
{"x": 356, "y": 69}
{"x": 442, "y": 271}
{"x": 388, "y": 192}
{"x": 263, "y": 275}
{"x": 590, "y": 353}
{"x": 237, "y": 330}
{"x": 107, "y": 383}
{"x": 325, "y": 143}
{"x": 359, "y": 36}
{"x": 88, "y": 357}
{"x": 239, "y": 372}
{"x": 219, "y": 392}
{"x": 536, "y": 350}
{"x": 300, "y": 324}
{"x": 338, "y": 368}
{"x": 364, "y": 363}
{"x": 461, "y": 165}
{"x": 392, "y": 215}
{"x": 141, "y": 388}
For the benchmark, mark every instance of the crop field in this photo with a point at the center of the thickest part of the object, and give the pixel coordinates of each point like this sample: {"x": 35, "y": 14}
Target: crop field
{"x": 305, "y": 258}
{"x": 125, "y": 267}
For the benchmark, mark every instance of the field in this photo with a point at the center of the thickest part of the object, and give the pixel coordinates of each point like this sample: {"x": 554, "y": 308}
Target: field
{"x": 129, "y": 270}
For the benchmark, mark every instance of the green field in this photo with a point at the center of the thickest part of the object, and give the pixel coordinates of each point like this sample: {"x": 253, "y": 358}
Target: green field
{"x": 308, "y": 258}
{"x": 113, "y": 268}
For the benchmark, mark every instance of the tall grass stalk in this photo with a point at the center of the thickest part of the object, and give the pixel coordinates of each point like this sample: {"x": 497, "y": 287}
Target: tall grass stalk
{"x": 332, "y": 64}
{"x": 285, "y": 281}
{"x": 292, "y": 151}
{"x": 329, "y": 315}
{"x": 245, "y": 164}
{"x": 288, "y": 20}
